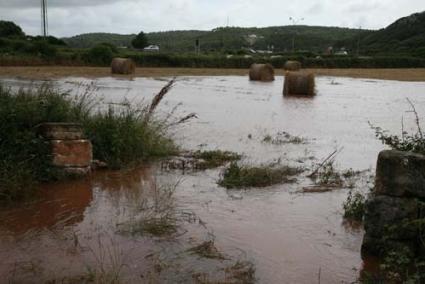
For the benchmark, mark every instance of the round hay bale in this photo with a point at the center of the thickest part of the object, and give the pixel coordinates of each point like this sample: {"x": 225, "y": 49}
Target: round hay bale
{"x": 299, "y": 84}
{"x": 123, "y": 66}
{"x": 261, "y": 72}
{"x": 292, "y": 65}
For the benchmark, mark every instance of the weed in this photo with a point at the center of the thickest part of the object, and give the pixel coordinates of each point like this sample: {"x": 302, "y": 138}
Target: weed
{"x": 354, "y": 206}
{"x": 407, "y": 142}
{"x": 158, "y": 227}
{"x": 109, "y": 261}
{"x": 236, "y": 176}
{"x": 153, "y": 214}
{"x": 216, "y": 158}
{"x": 327, "y": 175}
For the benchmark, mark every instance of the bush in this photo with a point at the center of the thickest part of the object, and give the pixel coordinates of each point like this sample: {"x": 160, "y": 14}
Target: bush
{"x": 100, "y": 55}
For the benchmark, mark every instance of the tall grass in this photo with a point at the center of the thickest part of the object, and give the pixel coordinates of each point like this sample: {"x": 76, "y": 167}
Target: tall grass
{"x": 121, "y": 136}
{"x": 23, "y": 153}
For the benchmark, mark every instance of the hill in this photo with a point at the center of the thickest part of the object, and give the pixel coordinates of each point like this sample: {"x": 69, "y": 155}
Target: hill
{"x": 92, "y": 39}
{"x": 405, "y": 36}
{"x": 307, "y": 38}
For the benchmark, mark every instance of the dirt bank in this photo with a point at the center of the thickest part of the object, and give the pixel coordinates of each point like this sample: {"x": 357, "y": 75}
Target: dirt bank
{"x": 47, "y": 72}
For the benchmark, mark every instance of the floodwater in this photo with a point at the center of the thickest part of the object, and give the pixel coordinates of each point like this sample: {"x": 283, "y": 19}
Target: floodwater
{"x": 78, "y": 227}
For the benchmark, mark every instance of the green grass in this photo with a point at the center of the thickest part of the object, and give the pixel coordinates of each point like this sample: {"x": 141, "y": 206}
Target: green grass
{"x": 236, "y": 176}
{"x": 122, "y": 136}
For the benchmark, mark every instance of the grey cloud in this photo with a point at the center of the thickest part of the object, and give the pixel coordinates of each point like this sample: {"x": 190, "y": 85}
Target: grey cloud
{"x": 70, "y": 17}
{"x": 57, "y": 3}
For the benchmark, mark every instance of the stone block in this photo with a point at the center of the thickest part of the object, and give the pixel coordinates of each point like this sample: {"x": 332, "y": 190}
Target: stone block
{"x": 61, "y": 131}
{"x": 71, "y": 153}
{"x": 400, "y": 174}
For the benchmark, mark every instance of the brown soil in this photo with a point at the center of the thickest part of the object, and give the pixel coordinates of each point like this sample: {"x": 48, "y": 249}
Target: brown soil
{"x": 47, "y": 72}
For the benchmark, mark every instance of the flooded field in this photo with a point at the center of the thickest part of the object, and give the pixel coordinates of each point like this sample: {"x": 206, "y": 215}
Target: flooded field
{"x": 97, "y": 228}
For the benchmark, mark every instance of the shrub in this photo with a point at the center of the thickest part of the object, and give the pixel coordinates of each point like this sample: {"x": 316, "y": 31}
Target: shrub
{"x": 99, "y": 55}
{"x": 354, "y": 206}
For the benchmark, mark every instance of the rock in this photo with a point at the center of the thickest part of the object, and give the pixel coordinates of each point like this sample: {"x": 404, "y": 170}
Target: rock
{"x": 389, "y": 216}
{"x": 76, "y": 172}
{"x": 96, "y": 164}
{"x": 400, "y": 174}
{"x": 61, "y": 131}
{"x": 71, "y": 153}
{"x": 378, "y": 247}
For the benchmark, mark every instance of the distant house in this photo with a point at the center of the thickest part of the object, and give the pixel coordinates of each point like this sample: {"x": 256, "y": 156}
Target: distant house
{"x": 151, "y": 48}
{"x": 341, "y": 53}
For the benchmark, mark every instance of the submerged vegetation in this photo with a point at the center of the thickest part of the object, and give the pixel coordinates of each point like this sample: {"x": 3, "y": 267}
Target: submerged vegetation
{"x": 207, "y": 249}
{"x": 283, "y": 138}
{"x": 236, "y": 176}
{"x": 216, "y": 158}
{"x": 121, "y": 136}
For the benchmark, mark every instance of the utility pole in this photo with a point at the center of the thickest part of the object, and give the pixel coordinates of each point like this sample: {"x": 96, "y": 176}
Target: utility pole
{"x": 44, "y": 20}
{"x": 294, "y": 22}
{"x": 358, "y": 42}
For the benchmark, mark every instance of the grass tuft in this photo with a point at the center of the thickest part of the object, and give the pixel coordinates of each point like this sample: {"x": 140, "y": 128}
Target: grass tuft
{"x": 236, "y": 176}
{"x": 216, "y": 158}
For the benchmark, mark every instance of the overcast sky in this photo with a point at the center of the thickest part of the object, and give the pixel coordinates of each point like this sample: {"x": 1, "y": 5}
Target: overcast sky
{"x": 72, "y": 17}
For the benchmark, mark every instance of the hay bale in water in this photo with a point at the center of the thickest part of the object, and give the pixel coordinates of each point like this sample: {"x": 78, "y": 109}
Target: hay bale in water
{"x": 299, "y": 84}
{"x": 292, "y": 65}
{"x": 122, "y": 66}
{"x": 261, "y": 72}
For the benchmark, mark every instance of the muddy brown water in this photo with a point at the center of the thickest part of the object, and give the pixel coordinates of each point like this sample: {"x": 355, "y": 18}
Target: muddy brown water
{"x": 290, "y": 237}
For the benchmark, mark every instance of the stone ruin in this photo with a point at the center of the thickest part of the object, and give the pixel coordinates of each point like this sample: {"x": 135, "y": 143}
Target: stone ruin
{"x": 396, "y": 210}
{"x": 71, "y": 152}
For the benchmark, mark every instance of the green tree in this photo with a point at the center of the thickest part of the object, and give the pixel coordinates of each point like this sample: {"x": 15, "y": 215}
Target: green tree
{"x": 10, "y": 29}
{"x": 140, "y": 41}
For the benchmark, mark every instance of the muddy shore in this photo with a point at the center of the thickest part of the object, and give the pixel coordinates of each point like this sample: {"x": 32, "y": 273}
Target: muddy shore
{"x": 49, "y": 72}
